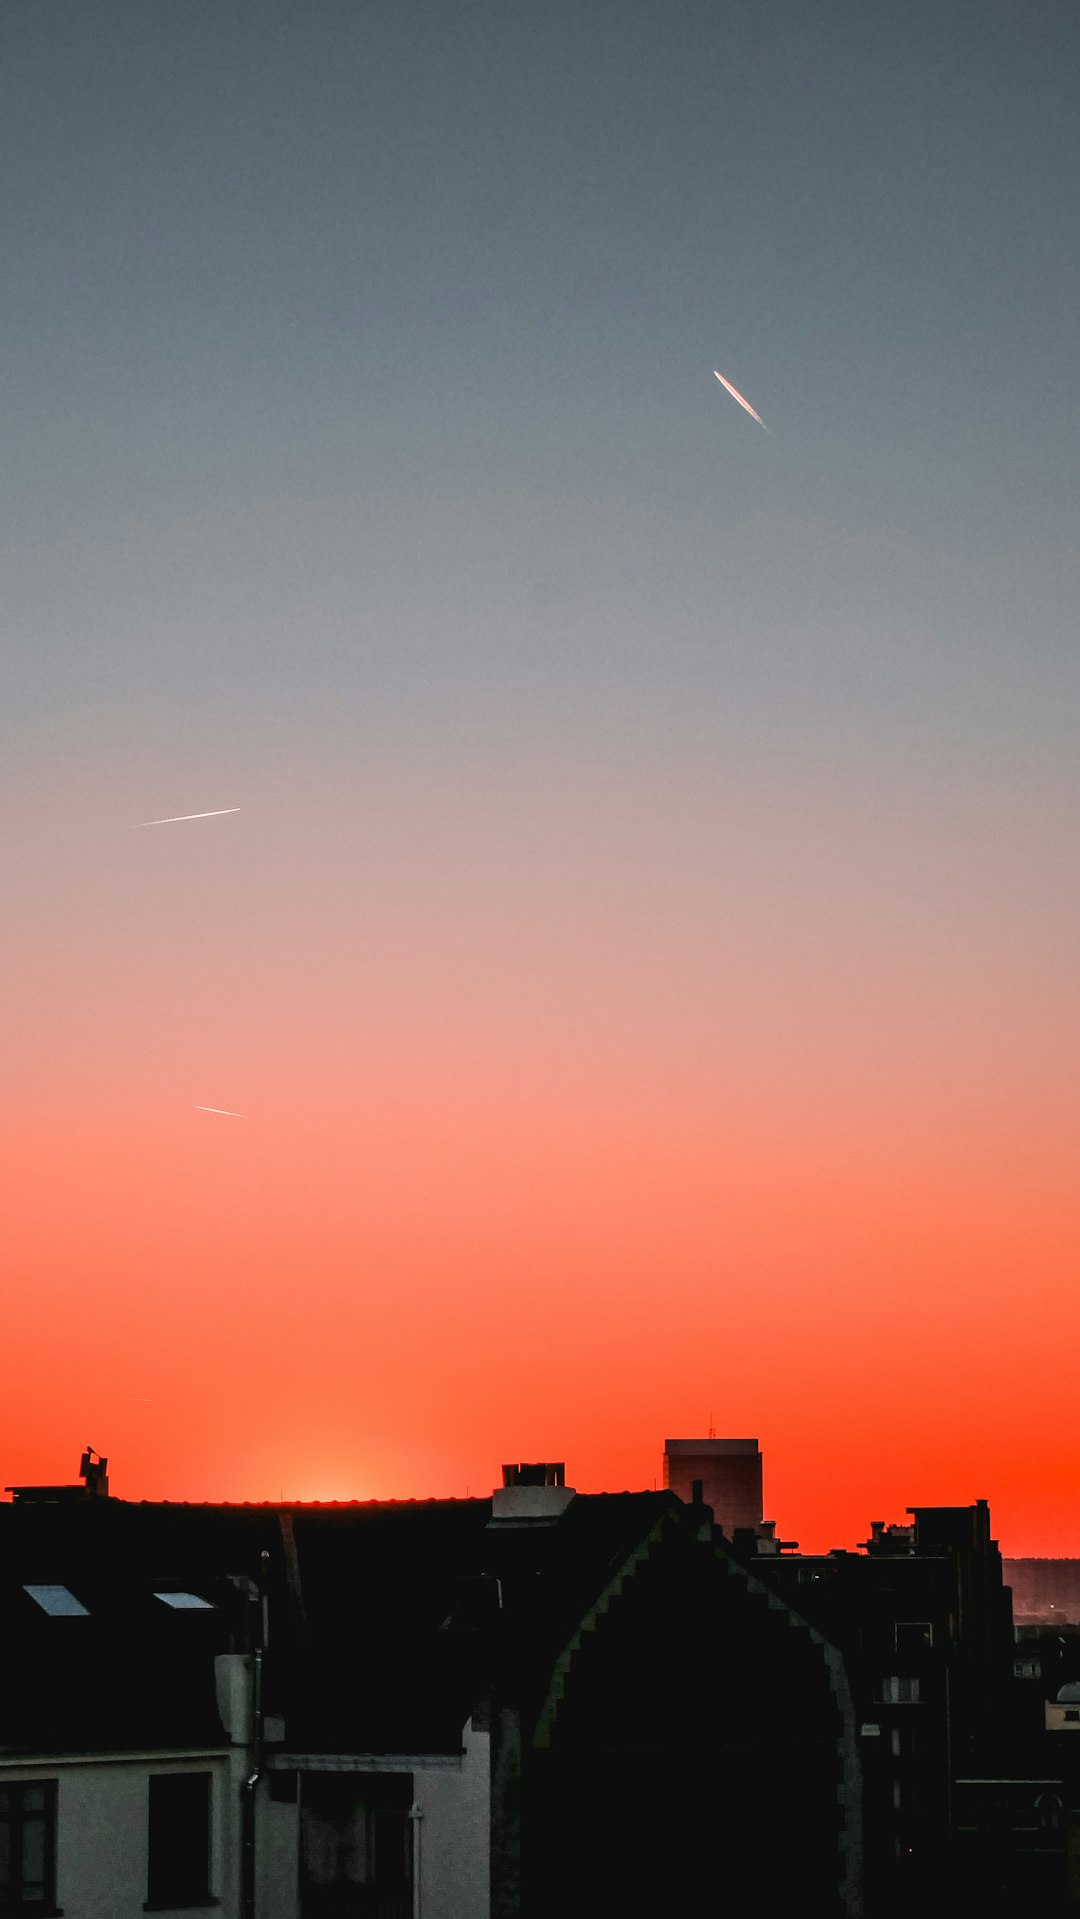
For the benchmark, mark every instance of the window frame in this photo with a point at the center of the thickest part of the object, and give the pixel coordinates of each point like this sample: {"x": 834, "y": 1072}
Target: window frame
{"x": 377, "y": 1807}
{"x": 900, "y": 1689}
{"x": 912, "y": 1637}
{"x": 17, "y": 1818}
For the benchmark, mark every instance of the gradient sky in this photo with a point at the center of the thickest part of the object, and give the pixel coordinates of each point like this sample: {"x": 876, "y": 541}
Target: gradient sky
{"x": 646, "y": 955}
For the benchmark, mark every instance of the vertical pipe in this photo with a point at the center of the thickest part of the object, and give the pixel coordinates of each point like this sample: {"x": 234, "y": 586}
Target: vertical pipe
{"x": 247, "y": 1794}
{"x": 247, "y": 1846}
{"x": 415, "y": 1816}
{"x": 250, "y": 1786}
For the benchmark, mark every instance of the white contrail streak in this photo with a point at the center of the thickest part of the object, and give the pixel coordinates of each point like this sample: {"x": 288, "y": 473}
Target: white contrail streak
{"x": 736, "y": 395}
{"x": 175, "y": 818}
{"x": 223, "y": 1110}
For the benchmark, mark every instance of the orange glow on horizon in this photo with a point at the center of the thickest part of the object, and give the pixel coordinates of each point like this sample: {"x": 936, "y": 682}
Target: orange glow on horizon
{"x": 387, "y": 1296}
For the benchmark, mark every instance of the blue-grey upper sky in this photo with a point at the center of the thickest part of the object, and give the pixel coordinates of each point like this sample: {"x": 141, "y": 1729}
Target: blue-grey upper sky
{"x": 345, "y": 339}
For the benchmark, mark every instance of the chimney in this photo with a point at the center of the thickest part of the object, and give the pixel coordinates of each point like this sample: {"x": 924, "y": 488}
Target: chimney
{"x": 95, "y": 1471}
{"x": 532, "y": 1493}
{"x": 543, "y": 1474}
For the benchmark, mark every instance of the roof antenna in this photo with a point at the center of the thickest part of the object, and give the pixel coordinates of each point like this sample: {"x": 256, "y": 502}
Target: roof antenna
{"x": 712, "y": 1428}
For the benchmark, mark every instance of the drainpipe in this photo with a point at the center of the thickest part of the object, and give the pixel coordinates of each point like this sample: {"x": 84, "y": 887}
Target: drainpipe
{"x": 247, "y": 1796}
{"x": 415, "y": 1816}
{"x": 250, "y": 1785}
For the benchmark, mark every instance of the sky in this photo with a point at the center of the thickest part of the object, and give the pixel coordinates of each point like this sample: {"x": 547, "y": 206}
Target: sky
{"x": 644, "y": 958}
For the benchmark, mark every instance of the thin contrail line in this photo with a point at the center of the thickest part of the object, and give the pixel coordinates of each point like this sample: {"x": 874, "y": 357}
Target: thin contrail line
{"x": 736, "y": 395}
{"x": 174, "y": 819}
{"x": 223, "y": 1110}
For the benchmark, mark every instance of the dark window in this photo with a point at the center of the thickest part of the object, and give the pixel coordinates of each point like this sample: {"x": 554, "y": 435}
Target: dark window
{"x": 914, "y": 1636}
{"x": 355, "y": 1846}
{"x": 28, "y": 1847}
{"x": 899, "y": 1690}
{"x": 179, "y": 1839}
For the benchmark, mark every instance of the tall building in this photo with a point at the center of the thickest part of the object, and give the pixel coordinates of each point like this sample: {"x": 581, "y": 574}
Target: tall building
{"x": 728, "y": 1472}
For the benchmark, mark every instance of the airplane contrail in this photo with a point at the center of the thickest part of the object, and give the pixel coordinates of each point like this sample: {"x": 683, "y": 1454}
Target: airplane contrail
{"x": 173, "y": 819}
{"x": 223, "y": 1110}
{"x": 736, "y": 395}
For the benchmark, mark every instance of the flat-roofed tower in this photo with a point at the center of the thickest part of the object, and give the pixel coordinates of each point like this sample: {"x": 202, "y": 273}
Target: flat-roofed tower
{"x": 729, "y": 1471}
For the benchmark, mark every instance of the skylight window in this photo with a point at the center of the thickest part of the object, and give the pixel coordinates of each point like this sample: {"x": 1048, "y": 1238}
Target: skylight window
{"x": 185, "y": 1602}
{"x": 57, "y": 1601}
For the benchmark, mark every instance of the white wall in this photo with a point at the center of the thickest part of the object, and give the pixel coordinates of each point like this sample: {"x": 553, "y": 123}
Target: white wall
{"x": 455, "y": 1834}
{"x": 102, "y": 1808}
{"x": 278, "y": 1858}
{"x": 101, "y": 1829}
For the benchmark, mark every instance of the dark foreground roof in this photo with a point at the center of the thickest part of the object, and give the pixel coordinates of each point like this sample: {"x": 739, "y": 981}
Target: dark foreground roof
{"x": 388, "y": 1623}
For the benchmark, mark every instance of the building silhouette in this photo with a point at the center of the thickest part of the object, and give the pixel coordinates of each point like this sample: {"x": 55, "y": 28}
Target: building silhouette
{"x": 536, "y": 1702}
{"x": 497, "y": 1708}
{"x": 726, "y": 1474}
{"x": 970, "y": 1781}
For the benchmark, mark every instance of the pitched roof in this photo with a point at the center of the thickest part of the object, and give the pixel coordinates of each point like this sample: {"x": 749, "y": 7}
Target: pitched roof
{"x": 387, "y": 1620}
